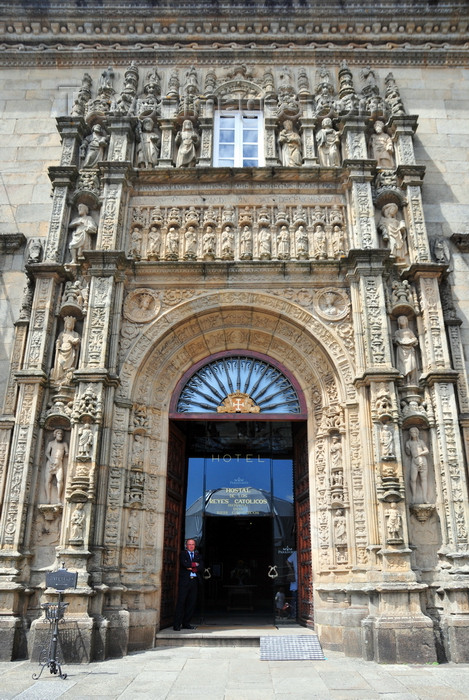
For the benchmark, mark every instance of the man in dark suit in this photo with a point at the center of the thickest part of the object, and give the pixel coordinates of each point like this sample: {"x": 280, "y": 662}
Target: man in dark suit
{"x": 191, "y": 568}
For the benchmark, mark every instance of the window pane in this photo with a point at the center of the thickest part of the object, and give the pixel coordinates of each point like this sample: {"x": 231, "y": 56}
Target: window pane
{"x": 250, "y": 136}
{"x": 250, "y": 163}
{"x": 225, "y": 163}
{"x": 227, "y": 122}
{"x": 249, "y": 150}
{"x": 227, "y": 136}
{"x": 226, "y": 151}
{"x": 250, "y": 123}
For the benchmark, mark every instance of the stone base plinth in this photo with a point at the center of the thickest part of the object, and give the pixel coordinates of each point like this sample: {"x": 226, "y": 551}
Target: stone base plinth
{"x": 76, "y": 639}
{"x": 456, "y": 638}
{"x": 12, "y": 638}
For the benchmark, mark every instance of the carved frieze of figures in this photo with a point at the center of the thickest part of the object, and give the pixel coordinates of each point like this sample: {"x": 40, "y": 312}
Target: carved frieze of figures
{"x": 227, "y": 233}
{"x": 419, "y": 455}
{"x": 406, "y": 343}
{"x": 393, "y": 231}
{"x": 56, "y": 455}
{"x": 66, "y": 352}
{"x": 382, "y": 147}
{"x": 328, "y": 145}
{"x": 83, "y": 226}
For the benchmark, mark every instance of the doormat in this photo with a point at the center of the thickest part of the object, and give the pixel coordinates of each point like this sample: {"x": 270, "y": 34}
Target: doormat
{"x": 291, "y": 648}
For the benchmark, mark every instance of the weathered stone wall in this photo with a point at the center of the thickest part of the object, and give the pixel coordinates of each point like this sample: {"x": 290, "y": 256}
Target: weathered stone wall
{"x": 31, "y": 99}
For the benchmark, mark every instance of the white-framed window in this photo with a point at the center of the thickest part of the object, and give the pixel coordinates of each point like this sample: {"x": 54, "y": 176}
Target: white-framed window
{"x": 238, "y": 140}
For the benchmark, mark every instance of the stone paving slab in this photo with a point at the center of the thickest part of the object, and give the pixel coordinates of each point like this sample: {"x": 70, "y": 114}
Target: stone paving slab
{"x": 234, "y": 673}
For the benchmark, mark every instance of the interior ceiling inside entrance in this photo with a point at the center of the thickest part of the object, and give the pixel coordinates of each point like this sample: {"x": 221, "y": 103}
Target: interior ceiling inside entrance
{"x": 257, "y": 437}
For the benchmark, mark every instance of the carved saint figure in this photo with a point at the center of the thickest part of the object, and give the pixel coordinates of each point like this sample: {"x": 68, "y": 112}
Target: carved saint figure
{"x": 336, "y": 452}
{"x": 246, "y": 244}
{"x": 186, "y": 140}
{"x": 290, "y": 145}
{"x": 93, "y": 148}
{"x": 136, "y": 237}
{"x": 417, "y": 451}
{"x": 154, "y": 243}
{"x": 77, "y": 522}
{"x": 66, "y": 351}
{"x": 340, "y": 527}
{"x": 190, "y": 237}
{"x": 83, "y": 226}
{"x": 85, "y": 442}
{"x": 328, "y": 145}
{"x": 301, "y": 242}
{"x": 209, "y": 243}
{"x": 148, "y": 147}
{"x": 394, "y": 522}
{"x": 56, "y": 454}
{"x": 406, "y": 357}
{"x": 338, "y": 241}
{"x": 265, "y": 244}
{"x": 227, "y": 243}
{"x": 172, "y": 243}
{"x": 386, "y": 439}
{"x": 320, "y": 243}
{"x": 283, "y": 243}
{"x": 382, "y": 148}
{"x": 393, "y": 230}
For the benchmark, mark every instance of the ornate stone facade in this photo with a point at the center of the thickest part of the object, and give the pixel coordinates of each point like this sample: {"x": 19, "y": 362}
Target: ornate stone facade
{"x": 319, "y": 257}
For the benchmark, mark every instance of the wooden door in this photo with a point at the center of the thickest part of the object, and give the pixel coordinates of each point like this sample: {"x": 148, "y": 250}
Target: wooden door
{"x": 303, "y": 527}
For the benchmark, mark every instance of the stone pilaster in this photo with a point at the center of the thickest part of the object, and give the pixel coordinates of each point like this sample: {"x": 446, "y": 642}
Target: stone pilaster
{"x": 360, "y": 202}
{"x": 63, "y": 179}
{"x": 72, "y": 131}
{"x": 122, "y": 139}
{"x": 308, "y": 124}
{"x": 168, "y": 109}
{"x": 270, "y": 122}
{"x": 115, "y": 180}
{"x": 206, "y": 136}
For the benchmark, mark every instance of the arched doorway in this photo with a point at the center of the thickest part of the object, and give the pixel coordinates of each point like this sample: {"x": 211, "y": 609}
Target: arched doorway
{"x": 238, "y": 482}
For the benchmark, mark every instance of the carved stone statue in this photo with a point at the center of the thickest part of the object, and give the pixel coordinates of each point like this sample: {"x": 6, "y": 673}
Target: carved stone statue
{"x": 227, "y": 243}
{"x": 265, "y": 244}
{"x": 340, "y": 527}
{"x": 336, "y": 452}
{"x": 246, "y": 244}
{"x": 34, "y": 251}
{"x": 83, "y": 226}
{"x": 154, "y": 243}
{"x": 393, "y": 522}
{"x": 393, "y": 230}
{"x": 301, "y": 238}
{"x": 290, "y": 145}
{"x": 172, "y": 244}
{"x": 209, "y": 243}
{"x": 328, "y": 145}
{"x": 66, "y": 351}
{"x": 93, "y": 148}
{"x": 77, "y": 522}
{"x": 283, "y": 243}
{"x": 148, "y": 146}
{"x": 186, "y": 140}
{"x": 56, "y": 455}
{"x": 406, "y": 356}
{"x": 136, "y": 237}
{"x": 320, "y": 242}
{"x": 382, "y": 147}
{"x": 190, "y": 238}
{"x": 386, "y": 439}
{"x": 418, "y": 451}
{"x": 85, "y": 442}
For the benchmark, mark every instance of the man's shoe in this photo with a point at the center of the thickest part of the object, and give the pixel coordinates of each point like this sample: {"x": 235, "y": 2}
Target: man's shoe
{"x": 189, "y": 627}
{"x": 177, "y": 628}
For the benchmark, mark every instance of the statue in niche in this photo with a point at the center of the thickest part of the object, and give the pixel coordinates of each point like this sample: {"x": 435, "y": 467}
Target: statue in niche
{"x": 138, "y": 449}
{"x": 265, "y": 244}
{"x": 209, "y": 243}
{"x": 136, "y": 238}
{"x": 382, "y": 147}
{"x": 338, "y": 241}
{"x": 186, "y": 140}
{"x": 393, "y": 230}
{"x": 386, "y": 440}
{"x": 77, "y": 522}
{"x": 148, "y": 146}
{"x": 66, "y": 351}
{"x": 172, "y": 243}
{"x": 83, "y": 226}
{"x": 301, "y": 237}
{"x": 133, "y": 529}
{"x": 94, "y": 146}
{"x": 34, "y": 251}
{"x": 320, "y": 242}
{"x": 290, "y": 145}
{"x": 190, "y": 238}
{"x": 417, "y": 451}
{"x": 283, "y": 243}
{"x": 336, "y": 452}
{"x": 406, "y": 356}
{"x": 340, "y": 531}
{"x": 154, "y": 243}
{"x": 227, "y": 243}
{"x": 328, "y": 145}
{"x": 85, "y": 442}
{"x": 246, "y": 244}
{"x": 393, "y": 522}
{"x": 56, "y": 455}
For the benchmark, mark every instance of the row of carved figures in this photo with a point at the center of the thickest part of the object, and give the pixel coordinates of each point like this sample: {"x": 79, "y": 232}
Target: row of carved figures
{"x": 276, "y": 85}
{"x": 187, "y": 141}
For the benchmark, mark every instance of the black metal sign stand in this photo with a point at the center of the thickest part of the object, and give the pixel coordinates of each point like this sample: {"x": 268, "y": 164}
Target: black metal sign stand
{"x": 54, "y": 612}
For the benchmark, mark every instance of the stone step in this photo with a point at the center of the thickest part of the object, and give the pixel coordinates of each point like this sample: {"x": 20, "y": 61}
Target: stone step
{"x": 226, "y": 635}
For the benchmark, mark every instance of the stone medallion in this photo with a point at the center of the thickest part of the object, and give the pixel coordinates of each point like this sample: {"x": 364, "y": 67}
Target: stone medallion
{"x": 142, "y": 305}
{"x": 331, "y": 304}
